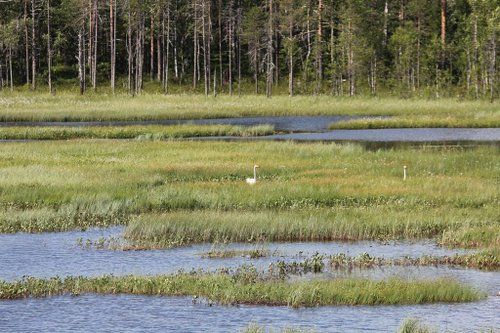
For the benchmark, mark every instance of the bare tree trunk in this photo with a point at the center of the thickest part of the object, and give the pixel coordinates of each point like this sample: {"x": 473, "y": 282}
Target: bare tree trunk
{"x": 418, "y": 50}
{"x": 350, "y": 62}
{"x": 475, "y": 57}
{"x": 256, "y": 70}
{"x": 206, "y": 78}
{"x": 176, "y": 65}
{"x": 91, "y": 39}
{"x": 94, "y": 56}
{"x": 195, "y": 45}
{"x": 129, "y": 49}
{"x": 10, "y": 69}
{"x": 319, "y": 51}
{"x": 290, "y": 57}
{"x": 219, "y": 12}
{"x": 81, "y": 60}
{"x": 269, "y": 56}
{"x": 26, "y": 42}
{"x": 230, "y": 47}
{"x": 159, "y": 47}
{"x": 112, "y": 21}
{"x": 167, "y": 53}
{"x": 152, "y": 48}
{"x": 33, "y": 45}
{"x": 386, "y": 21}
{"x": 49, "y": 49}
{"x": 215, "y": 82}
{"x": 238, "y": 20}
{"x": 492, "y": 69}
{"x": 443, "y": 32}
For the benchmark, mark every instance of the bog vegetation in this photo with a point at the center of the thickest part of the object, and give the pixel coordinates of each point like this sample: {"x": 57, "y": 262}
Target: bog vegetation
{"x": 176, "y": 193}
{"x": 246, "y": 286}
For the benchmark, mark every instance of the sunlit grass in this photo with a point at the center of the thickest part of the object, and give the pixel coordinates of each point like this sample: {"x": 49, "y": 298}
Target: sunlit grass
{"x": 67, "y": 106}
{"x": 472, "y": 120}
{"x": 46, "y": 186}
{"x": 228, "y": 289}
{"x": 383, "y": 222}
{"x": 153, "y": 132}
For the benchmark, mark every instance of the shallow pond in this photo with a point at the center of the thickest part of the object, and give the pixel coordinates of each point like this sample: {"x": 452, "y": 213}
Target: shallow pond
{"x": 50, "y": 254}
{"x": 285, "y": 123}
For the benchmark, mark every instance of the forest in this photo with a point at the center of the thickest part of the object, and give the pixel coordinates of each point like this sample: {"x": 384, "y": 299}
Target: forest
{"x": 404, "y": 48}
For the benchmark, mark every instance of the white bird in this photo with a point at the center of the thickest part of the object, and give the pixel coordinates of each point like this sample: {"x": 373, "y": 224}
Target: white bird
{"x": 253, "y": 181}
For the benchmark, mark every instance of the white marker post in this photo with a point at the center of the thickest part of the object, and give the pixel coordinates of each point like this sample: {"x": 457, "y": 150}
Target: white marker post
{"x": 405, "y": 173}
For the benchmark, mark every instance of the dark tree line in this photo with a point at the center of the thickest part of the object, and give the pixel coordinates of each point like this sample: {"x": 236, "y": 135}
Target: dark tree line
{"x": 340, "y": 47}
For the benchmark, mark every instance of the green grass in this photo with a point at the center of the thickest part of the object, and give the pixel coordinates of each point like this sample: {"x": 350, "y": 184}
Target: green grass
{"x": 312, "y": 191}
{"x": 413, "y": 121}
{"x": 227, "y": 289}
{"x": 414, "y": 326}
{"x": 346, "y": 224}
{"x": 67, "y": 106}
{"x": 153, "y": 132}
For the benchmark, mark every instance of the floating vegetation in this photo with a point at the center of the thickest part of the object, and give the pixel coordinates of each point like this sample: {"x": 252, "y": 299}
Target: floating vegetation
{"x": 414, "y": 326}
{"x": 256, "y": 328}
{"x": 220, "y": 251}
{"x": 488, "y": 259}
{"x": 246, "y": 286}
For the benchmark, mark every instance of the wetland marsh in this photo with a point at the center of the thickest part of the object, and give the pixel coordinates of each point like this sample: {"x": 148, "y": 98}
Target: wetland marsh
{"x": 174, "y": 223}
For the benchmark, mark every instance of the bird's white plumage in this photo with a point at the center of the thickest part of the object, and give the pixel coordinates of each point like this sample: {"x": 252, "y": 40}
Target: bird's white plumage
{"x": 253, "y": 181}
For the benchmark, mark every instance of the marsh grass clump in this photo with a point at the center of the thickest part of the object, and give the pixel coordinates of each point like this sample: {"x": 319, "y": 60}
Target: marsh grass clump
{"x": 256, "y": 328}
{"x": 139, "y": 132}
{"x": 437, "y": 121}
{"x": 486, "y": 259}
{"x": 344, "y": 224}
{"x": 414, "y": 326}
{"x": 75, "y": 216}
{"x": 282, "y": 269}
{"x": 248, "y": 288}
{"x": 221, "y": 252}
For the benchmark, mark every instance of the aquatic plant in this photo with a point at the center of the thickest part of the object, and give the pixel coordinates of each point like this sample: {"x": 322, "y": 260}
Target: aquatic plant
{"x": 414, "y": 326}
{"x": 247, "y": 288}
{"x": 221, "y": 251}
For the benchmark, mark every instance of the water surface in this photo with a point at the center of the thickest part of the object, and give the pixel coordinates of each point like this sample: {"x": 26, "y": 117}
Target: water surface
{"x": 282, "y": 123}
{"x": 127, "y": 313}
{"x": 51, "y": 254}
